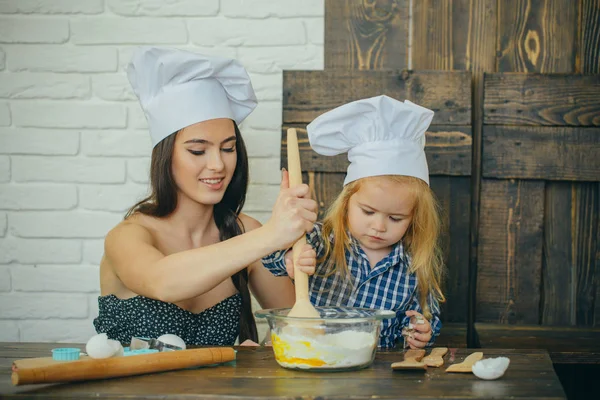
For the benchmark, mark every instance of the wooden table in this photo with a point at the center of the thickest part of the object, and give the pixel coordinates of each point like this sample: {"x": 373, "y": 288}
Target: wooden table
{"x": 257, "y": 375}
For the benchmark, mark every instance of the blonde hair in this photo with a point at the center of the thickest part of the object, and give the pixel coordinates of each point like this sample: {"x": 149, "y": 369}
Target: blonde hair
{"x": 421, "y": 239}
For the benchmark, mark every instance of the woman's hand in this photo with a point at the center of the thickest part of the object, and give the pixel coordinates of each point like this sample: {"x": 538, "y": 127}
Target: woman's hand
{"x": 422, "y": 330}
{"x": 307, "y": 261}
{"x": 249, "y": 343}
{"x": 293, "y": 214}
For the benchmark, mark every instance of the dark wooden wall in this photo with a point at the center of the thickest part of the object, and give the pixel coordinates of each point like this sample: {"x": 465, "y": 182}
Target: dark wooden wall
{"x": 514, "y": 149}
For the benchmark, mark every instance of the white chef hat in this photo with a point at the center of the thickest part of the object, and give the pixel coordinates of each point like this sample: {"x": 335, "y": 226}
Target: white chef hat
{"x": 178, "y": 88}
{"x": 382, "y": 136}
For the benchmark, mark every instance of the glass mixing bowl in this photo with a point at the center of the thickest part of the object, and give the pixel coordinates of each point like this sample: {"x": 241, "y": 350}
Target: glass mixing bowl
{"x": 343, "y": 339}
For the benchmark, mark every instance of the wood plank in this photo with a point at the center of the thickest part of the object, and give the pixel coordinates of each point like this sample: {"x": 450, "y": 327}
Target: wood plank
{"x": 480, "y": 57}
{"x": 460, "y": 35}
{"x": 256, "y": 375}
{"x": 432, "y": 35}
{"x": 452, "y": 334}
{"x": 565, "y": 344}
{"x": 456, "y": 35}
{"x": 558, "y": 271}
{"x": 535, "y": 99}
{"x": 453, "y": 194}
{"x": 588, "y": 57}
{"x": 366, "y": 35}
{"x": 510, "y": 251}
{"x": 308, "y": 94}
{"x": 549, "y": 153}
{"x": 597, "y": 304}
{"x": 552, "y": 100}
{"x": 585, "y": 212}
{"x": 448, "y": 152}
{"x": 571, "y": 272}
{"x": 325, "y": 187}
{"x": 537, "y": 35}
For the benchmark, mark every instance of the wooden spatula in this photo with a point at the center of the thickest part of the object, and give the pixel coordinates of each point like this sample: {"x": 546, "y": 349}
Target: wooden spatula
{"x": 412, "y": 360}
{"x": 435, "y": 358}
{"x": 302, "y": 308}
{"x": 467, "y": 365}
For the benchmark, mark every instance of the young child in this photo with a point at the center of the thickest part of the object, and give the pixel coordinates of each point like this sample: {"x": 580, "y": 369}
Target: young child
{"x": 378, "y": 245}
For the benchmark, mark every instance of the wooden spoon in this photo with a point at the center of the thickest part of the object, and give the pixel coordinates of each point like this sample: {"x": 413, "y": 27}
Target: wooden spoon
{"x": 302, "y": 308}
{"x": 467, "y": 365}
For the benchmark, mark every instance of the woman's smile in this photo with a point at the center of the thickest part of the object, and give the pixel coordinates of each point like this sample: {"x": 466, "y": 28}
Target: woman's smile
{"x": 213, "y": 183}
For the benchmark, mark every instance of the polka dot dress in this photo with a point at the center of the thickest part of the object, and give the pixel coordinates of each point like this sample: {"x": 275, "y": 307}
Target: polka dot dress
{"x": 140, "y": 316}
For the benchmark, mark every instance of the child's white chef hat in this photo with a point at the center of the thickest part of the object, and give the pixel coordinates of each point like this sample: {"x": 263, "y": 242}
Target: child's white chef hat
{"x": 382, "y": 136}
{"x": 178, "y": 88}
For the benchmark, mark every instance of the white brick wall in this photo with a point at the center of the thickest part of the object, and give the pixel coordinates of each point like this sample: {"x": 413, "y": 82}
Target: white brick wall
{"x": 74, "y": 149}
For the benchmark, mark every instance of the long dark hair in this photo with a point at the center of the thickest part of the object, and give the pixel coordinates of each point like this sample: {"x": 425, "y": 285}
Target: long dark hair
{"x": 162, "y": 201}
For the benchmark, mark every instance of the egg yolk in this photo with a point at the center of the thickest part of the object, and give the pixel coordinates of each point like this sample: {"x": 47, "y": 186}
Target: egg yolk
{"x": 281, "y": 346}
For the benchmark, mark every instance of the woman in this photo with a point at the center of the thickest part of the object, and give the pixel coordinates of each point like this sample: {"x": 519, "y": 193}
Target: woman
{"x": 182, "y": 260}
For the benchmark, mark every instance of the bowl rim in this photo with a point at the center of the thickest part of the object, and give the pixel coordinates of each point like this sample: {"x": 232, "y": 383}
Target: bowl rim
{"x": 378, "y": 314}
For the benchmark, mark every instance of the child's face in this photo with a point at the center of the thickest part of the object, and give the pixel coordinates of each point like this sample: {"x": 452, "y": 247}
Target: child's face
{"x": 380, "y": 213}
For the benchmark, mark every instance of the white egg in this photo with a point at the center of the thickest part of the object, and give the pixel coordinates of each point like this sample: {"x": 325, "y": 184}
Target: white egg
{"x": 173, "y": 340}
{"x": 490, "y": 368}
{"x": 117, "y": 347}
{"x": 100, "y": 346}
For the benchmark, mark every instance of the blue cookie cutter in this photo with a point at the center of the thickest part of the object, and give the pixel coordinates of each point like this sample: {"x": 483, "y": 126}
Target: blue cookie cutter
{"x": 65, "y": 354}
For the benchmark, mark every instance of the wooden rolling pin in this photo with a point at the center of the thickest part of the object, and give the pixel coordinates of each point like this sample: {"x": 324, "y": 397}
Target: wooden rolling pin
{"x": 70, "y": 371}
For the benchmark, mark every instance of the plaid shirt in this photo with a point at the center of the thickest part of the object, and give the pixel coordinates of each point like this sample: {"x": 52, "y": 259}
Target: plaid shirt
{"x": 387, "y": 286}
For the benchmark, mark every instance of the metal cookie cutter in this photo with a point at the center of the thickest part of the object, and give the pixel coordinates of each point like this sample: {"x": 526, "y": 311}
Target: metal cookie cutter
{"x": 408, "y": 331}
{"x": 153, "y": 344}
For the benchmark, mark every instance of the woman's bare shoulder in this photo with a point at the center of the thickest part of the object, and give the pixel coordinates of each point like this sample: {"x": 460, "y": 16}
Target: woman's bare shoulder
{"x": 137, "y": 227}
{"x": 249, "y": 223}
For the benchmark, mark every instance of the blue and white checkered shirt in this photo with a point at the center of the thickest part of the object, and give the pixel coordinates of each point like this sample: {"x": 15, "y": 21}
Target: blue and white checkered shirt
{"x": 387, "y": 286}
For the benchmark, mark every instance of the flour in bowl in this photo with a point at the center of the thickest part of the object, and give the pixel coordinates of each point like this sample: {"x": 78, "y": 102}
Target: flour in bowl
{"x": 303, "y": 348}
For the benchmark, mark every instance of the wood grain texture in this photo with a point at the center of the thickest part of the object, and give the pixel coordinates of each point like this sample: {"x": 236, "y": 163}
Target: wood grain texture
{"x": 366, "y": 34}
{"x": 448, "y": 152}
{"x": 257, "y": 375}
{"x": 536, "y": 99}
{"x": 308, "y": 94}
{"x": 537, "y": 35}
{"x": 454, "y": 35}
{"x": 460, "y": 35}
{"x": 571, "y": 272}
{"x": 325, "y": 187}
{"x": 510, "y": 251}
{"x": 588, "y": 56}
{"x": 585, "y": 212}
{"x": 452, "y": 334}
{"x": 565, "y": 344}
{"x": 432, "y": 35}
{"x": 549, "y": 153}
{"x": 554, "y": 36}
{"x": 453, "y": 194}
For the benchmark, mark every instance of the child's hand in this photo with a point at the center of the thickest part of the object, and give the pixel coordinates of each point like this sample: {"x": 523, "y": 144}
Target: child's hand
{"x": 307, "y": 261}
{"x": 422, "y": 334}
